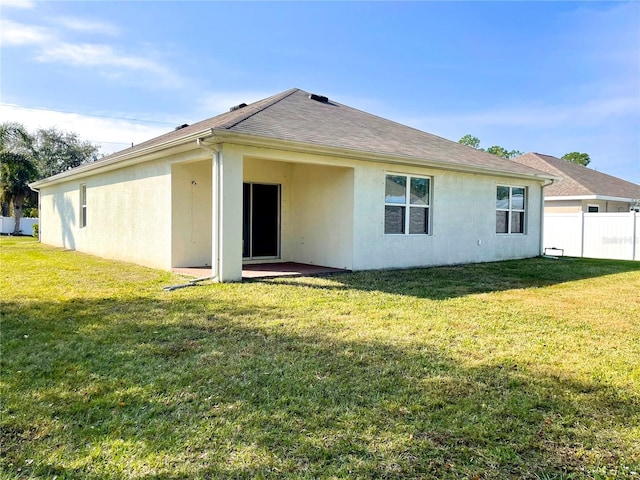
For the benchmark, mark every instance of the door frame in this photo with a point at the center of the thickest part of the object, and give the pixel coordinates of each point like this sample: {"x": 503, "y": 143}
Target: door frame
{"x": 278, "y": 254}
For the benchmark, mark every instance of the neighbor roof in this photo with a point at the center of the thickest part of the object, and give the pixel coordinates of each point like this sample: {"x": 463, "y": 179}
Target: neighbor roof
{"x": 296, "y": 117}
{"x": 577, "y": 180}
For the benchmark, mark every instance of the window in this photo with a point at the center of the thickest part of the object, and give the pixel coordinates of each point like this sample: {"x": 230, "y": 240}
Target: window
{"x": 406, "y": 205}
{"x": 510, "y": 209}
{"x": 83, "y": 205}
{"x": 593, "y": 208}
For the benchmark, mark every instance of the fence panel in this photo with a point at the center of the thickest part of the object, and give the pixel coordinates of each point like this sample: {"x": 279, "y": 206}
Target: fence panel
{"x": 7, "y": 224}
{"x": 594, "y": 235}
{"x": 564, "y": 230}
{"x": 608, "y": 236}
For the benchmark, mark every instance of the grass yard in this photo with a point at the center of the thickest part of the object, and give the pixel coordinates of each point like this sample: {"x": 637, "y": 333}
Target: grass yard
{"x": 520, "y": 369}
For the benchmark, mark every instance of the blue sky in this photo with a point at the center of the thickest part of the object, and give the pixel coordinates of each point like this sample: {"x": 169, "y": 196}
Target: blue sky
{"x": 549, "y": 77}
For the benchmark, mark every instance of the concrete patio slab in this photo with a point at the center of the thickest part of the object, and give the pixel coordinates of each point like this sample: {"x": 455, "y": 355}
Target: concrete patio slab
{"x": 286, "y": 269}
{"x": 264, "y": 270}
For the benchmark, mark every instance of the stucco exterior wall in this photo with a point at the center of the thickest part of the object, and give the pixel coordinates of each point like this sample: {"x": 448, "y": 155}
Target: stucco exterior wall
{"x": 562, "y": 206}
{"x": 332, "y": 212}
{"x": 316, "y": 218}
{"x": 191, "y": 216}
{"x": 463, "y": 221}
{"x": 322, "y": 223}
{"x": 321, "y": 209}
{"x": 606, "y": 206}
{"x": 574, "y": 206}
{"x": 128, "y": 214}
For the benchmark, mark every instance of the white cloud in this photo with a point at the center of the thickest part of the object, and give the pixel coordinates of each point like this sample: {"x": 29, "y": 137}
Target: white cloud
{"x": 50, "y": 47}
{"x": 13, "y": 33}
{"x": 25, "y": 4}
{"x": 86, "y": 25}
{"x": 111, "y": 134}
{"x": 96, "y": 55}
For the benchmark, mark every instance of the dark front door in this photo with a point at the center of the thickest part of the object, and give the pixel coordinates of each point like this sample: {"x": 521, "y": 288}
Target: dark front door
{"x": 261, "y": 220}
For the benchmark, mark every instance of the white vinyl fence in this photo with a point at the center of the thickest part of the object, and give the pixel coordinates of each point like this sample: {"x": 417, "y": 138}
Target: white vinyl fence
{"x": 7, "y": 225}
{"x": 594, "y": 235}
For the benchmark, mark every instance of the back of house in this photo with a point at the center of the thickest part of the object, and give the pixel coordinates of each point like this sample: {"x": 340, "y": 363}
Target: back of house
{"x": 296, "y": 177}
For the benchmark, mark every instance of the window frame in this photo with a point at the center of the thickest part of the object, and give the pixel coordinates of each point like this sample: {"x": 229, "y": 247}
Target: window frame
{"x": 83, "y": 205}
{"x": 510, "y": 209}
{"x": 407, "y": 205}
{"x": 590, "y": 206}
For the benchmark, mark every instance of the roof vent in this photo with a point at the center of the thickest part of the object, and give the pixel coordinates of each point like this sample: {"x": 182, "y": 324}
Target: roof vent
{"x": 237, "y": 107}
{"x": 180, "y": 127}
{"x": 319, "y": 98}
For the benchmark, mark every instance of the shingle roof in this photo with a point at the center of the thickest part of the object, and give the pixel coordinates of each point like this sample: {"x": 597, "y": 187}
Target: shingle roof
{"x": 577, "y": 180}
{"x": 293, "y": 116}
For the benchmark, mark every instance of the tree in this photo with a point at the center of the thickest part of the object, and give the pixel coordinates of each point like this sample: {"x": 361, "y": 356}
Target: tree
{"x": 503, "y": 152}
{"x": 577, "y": 157}
{"x": 470, "y": 141}
{"x": 17, "y": 169}
{"x": 26, "y": 158}
{"x": 474, "y": 142}
{"x": 57, "y": 151}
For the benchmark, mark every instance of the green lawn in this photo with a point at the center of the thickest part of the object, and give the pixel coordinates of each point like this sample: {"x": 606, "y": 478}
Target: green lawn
{"x": 520, "y": 369}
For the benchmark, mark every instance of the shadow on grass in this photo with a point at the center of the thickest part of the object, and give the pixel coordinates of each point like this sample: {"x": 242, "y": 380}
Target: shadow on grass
{"x": 202, "y": 388}
{"x": 439, "y": 283}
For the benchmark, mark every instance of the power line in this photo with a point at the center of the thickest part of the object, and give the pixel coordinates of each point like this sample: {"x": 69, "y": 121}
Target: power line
{"x": 84, "y": 114}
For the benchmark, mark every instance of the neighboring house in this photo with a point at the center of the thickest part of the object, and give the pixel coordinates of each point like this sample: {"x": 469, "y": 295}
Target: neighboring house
{"x": 296, "y": 177}
{"x": 582, "y": 189}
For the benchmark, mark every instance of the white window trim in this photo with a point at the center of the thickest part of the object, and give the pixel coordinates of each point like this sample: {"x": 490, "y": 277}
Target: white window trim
{"x": 407, "y": 205}
{"x": 83, "y": 205}
{"x": 589, "y": 205}
{"x": 509, "y": 210}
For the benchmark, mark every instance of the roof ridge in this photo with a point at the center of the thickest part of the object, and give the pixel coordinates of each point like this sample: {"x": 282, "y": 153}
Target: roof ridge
{"x": 276, "y": 98}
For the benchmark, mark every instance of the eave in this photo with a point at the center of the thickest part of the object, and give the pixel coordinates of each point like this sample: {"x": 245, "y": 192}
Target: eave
{"x": 607, "y": 198}
{"x": 219, "y": 136}
{"x": 120, "y": 160}
{"x": 226, "y": 136}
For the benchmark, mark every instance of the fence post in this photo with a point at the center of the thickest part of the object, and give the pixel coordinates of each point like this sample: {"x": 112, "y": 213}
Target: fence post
{"x": 634, "y": 237}
{"x": 581, "y": 233}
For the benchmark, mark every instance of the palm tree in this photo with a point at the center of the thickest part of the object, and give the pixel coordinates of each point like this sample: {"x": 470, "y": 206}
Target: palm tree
{"x": 17, "y": 168}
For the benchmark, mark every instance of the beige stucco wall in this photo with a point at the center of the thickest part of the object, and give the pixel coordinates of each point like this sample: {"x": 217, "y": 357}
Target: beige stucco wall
{"x": 191, "y": 216}
{"x": 316, "y": 218}
{"x": 332, "y": 213}
{"x": 562, "y": 206}
{"x": 573, "y": 206}
{"x": 462, "y": 221}
{"x": 606, "y": 206}
{"x": 322, "y": 216}
{"x": 128, "y": 214}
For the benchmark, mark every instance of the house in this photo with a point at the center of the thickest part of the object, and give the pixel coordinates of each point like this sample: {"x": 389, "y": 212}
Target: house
{"x": 588, "y": 213}
{"x": 582, "y": 189}
{"x": 296, "y": 177}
